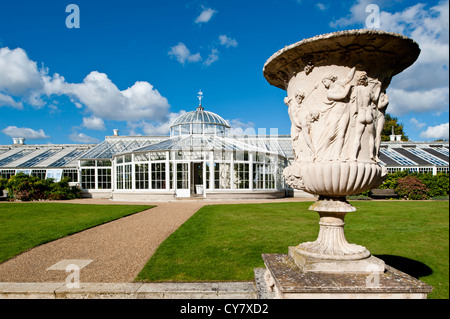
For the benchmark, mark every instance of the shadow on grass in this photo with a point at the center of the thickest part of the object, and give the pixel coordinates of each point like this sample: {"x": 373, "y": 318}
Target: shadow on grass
{"x": 411, "y": 267}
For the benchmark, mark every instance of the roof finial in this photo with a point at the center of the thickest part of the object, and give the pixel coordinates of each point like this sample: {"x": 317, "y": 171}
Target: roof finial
{"x": 200, "y": 98}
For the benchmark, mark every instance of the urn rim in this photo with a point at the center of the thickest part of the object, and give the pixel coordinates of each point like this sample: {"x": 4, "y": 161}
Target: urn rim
{"x": 407, "y": 48}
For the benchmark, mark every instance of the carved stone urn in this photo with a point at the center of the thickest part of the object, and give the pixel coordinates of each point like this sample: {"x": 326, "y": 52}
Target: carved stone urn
{"x": 336, "y": 98}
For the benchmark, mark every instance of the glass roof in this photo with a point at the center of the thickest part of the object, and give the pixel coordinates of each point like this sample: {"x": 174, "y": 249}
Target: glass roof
{"x": 67, "y": 158}
{"x": 14, "y": 157}
{"x": 428, "y": 157}
{"x": 402, "y": 160}
{"x": 42, "y": 156}
{"x": 110, "y": 147}
{"x": 200, "y": 116}
{"x": 211, "y": 143}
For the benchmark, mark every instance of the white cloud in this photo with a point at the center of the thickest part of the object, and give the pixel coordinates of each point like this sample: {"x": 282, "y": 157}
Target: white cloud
{"x": 416, "y": 123}
{"x": 154, "y": 128}
{"x": 104, "y": 100}
{"x": 212, "y": 57}
{"x": 6, "y": 100}
{"x": 321, "y": 6}
{"x": 227, "y": 42}
{"x": 436, "y": 132}
{"x": 423, "y": 87}
{"x": 93, "y": 123}
{"x": 28, "y": 133}
{"x": 205, "y": 15}
{"x": 82, "y": 138}
{"x": 357, "y": 15}
{"x": 19, "y": 75}
{"x": 182, "y": 54}
{"x": 405, "y": 101}
{"x": 22, "y": 82}
{"x": 237, "y": 127}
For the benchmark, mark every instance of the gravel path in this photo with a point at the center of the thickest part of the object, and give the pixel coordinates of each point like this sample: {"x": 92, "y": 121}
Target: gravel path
{"x": 118, "y": 250}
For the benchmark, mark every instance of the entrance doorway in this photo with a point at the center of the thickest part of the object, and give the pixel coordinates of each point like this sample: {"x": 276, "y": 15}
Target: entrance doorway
{"x": 197, "y": 187}
{"x": 183, "y": 180}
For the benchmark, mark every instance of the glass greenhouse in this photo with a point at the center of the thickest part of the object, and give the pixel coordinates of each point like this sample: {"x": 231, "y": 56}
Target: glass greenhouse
{"x": 200, "y": 158}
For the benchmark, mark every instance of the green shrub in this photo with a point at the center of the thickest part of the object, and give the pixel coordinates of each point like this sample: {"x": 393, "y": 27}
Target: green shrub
{"x": 437, "y": 185}
{"x": 3, "y": 182}
{"x": 412, "y": 187}
{"x": 26, "y": 188}
{"x": 392, "y": 178}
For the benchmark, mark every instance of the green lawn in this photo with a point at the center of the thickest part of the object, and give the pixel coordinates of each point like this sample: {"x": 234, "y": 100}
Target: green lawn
{"x": 27, "y": 225}
{"x": 225, "y": 242}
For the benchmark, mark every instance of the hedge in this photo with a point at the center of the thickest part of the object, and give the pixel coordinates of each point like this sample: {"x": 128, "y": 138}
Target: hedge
{"x": 418, "y": 185}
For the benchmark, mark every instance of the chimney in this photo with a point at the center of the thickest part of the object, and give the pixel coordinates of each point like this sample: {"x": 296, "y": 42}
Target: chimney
{"x": 21, "y": 141}
{"x": 15, "y": 141}
{"x": 392, "y": 137}
{"x": 116, "y": 132}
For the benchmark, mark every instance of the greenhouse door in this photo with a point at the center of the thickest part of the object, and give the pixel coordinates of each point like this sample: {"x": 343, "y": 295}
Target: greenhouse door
{"x": 197, "y": 178}
{"x": 183, "y": 182}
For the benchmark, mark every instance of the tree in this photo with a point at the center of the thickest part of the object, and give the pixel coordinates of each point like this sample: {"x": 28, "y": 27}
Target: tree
{"x": 391, "y": 121}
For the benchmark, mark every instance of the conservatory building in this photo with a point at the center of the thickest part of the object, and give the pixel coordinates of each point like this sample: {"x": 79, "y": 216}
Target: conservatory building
{"x": 199, "y": 159}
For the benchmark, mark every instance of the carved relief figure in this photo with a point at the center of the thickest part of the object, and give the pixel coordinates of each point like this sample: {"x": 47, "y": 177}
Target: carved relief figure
{"x": 335, "y": 97}
{"x": 295, "y": 131}
{"x": 301, "y": 121}
{"x": 383, "y": 101}
{"x": 365, "y": 100}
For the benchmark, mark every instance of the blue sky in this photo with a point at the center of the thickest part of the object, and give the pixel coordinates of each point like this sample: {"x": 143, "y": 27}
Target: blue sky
{"x": 136, "y": 65}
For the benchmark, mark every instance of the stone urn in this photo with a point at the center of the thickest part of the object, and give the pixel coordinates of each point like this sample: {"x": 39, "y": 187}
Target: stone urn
{"x": 336, "y": 99}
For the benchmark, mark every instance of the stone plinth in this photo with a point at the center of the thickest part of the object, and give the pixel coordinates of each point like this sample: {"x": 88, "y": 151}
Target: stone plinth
{"x": 288, "y": 281}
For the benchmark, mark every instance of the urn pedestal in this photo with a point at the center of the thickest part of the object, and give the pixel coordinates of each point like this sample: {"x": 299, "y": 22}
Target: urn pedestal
{"x": 336, "y": 98}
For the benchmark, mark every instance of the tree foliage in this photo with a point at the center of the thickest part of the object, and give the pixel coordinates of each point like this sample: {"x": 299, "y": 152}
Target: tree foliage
{"x": 391, "y": 121}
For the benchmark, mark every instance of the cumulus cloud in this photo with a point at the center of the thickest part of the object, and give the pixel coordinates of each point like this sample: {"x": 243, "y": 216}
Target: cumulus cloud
{"x": 423, "y": 87}
{"x": 6, "y": 100}
{"x": 406, "y": 101}
{"x": 417, "y": 124}
{"x": 21, "y": 81}
{"x": 93, "y": 123}
{"x": 205, "y": 15}
{"x": 183, "y": 55}
{"x": 19, "y": 75}
{"x": 212, "y": 57}
{"x": 83, "y": 138}
{"x": 227, "y": 42}
{"x": 154, "y": 128}
{"x": 436, "y": 132}
{"x": 357, "y": 14}
{"x": 28, "y": 133}
{"x": 104, "y": 100}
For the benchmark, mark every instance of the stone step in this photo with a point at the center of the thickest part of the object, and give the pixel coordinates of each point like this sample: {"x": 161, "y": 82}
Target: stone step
{"x": 164, "y": 290}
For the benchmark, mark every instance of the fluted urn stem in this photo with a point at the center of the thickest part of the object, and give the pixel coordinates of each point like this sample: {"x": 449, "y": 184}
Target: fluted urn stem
{"x": 331, "y": 242}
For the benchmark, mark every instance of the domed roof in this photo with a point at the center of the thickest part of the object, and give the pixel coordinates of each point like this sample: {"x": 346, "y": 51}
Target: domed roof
{"x": 199, "y": 122}
{"x": 200, "y": 116}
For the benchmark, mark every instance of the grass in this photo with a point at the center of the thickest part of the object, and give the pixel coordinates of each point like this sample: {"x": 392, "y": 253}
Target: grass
{"x": 225, "y": 242}
{"x": 27, "y": 225}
